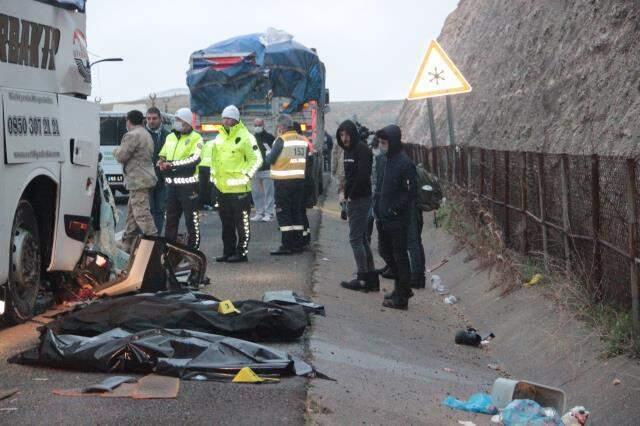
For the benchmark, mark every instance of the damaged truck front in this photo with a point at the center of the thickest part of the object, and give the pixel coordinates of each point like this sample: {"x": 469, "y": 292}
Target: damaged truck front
{"x": 49, "y": 137}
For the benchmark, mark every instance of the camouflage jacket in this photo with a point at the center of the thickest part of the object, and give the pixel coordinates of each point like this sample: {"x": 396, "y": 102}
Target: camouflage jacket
{"x": 135, "y": 153}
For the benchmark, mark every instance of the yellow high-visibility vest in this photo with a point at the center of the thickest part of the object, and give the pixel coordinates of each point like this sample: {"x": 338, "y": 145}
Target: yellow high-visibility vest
{"x": 292, "y": 160}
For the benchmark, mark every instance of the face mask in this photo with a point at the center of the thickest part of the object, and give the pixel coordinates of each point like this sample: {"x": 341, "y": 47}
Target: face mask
{"x": 178, "y": 126}
{"x": 384, "y": 150}
{"x": 259, "y": 129}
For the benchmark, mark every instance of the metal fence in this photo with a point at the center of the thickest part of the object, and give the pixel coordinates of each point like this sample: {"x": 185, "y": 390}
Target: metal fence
{"x": 582, "y": 210}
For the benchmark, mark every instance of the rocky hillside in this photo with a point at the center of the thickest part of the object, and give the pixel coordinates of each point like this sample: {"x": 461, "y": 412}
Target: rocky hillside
{"x": 557, "y": 76}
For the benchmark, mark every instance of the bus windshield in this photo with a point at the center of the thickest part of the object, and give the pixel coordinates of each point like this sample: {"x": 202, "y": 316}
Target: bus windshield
{"x": 112, "y": 129}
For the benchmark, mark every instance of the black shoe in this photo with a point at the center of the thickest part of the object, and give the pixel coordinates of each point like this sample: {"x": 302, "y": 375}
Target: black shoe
{"x": 391, "y": 294}
{"x": 418, "y": 281}
{"x": 402, "y": 304}
{"x": 282, "y": 251}
{"x": 388, "y": 274}
{"x": 223, "y": 258}
{"x": 236, "y": 258}
{"x": 355, "y": 284}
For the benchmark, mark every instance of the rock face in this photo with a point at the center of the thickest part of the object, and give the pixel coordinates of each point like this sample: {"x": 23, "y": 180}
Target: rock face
{"x": 553, "y": 76}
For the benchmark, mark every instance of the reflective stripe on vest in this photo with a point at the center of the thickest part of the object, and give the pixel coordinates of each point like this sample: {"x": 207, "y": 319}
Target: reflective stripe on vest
{"x": 292, "y": 160}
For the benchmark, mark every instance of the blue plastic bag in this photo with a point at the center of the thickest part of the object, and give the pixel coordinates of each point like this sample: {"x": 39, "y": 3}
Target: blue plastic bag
{"x": 527, "y": 412}
{"x": 477, "y": 403}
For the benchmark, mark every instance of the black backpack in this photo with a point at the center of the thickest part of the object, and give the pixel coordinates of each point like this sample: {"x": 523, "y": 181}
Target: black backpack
{"x": 429, "y": 190}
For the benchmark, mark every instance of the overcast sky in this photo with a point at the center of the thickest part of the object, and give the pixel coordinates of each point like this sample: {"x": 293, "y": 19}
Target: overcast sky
{"x": 371, "y": 49}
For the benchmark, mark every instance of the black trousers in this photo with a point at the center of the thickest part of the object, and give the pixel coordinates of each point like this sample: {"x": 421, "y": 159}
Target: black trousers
{"x": 386, "y": 256}
{"x": 183, "y": 199}
{"x": 394, "y": 241}
{"x": 290, "y": 197}
{"x": 205, "y": 190}
{"x": 234, "y": 214}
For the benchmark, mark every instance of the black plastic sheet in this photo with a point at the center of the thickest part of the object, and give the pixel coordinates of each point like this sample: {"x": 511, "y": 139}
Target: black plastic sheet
{"x": 257, "y": 321}
{"x": 288, "y": 297}
{"x": 178, "y": 353}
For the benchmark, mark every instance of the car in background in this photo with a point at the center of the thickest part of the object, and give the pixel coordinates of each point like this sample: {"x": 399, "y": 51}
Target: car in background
{"x": 113, "y": 126}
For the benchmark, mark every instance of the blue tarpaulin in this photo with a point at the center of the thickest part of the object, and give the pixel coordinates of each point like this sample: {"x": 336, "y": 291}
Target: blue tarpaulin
{"x": 264, "y": 62}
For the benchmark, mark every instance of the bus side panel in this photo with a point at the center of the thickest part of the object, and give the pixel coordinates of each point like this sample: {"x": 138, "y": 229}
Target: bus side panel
{"x": 80, "y": 132}
{"x": 5, "y": 214}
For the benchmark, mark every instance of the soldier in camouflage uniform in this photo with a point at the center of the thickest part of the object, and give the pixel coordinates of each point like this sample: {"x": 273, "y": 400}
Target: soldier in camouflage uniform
{"x": 135, "y": 153}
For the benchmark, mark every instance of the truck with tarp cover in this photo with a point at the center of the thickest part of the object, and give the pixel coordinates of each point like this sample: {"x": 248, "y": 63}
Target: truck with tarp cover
{"x": 49, "y": 137}
{"x": 263, "y": 74}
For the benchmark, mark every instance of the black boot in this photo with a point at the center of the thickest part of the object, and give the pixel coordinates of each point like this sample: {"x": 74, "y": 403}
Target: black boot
{"x": 418, "y": 281}
{"x": 357, "y": 284}
{"x": 383, "y": 270}
{"x": 373, "y": 281}
{"x": 396, "y": 303}
{"x": 237, "y": 258}
{"x": 391, "y": 294}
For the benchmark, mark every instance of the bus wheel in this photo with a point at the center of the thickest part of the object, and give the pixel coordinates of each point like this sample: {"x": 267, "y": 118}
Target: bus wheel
{"x": 25, "y": 265}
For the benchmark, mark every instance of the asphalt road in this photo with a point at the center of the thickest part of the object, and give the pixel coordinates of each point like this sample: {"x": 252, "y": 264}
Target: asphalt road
{"x": 197, "y": 402}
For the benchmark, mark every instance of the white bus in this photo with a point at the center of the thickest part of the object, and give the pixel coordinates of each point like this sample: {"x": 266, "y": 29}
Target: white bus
{"x": 49, "y": 142}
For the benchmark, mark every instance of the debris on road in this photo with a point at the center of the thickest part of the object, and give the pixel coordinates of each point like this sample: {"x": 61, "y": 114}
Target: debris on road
{"x": 438, "y": 265}
{"x": 534, "y": 280}
{"x": 471, "y": 337}
{"x": 6, "y": 409}
{"x": 40, "y": 379}
{"x": 6, "y": 393}
{"x": 149, "y": 387}
{"x": 526, "y": 411}
{"x": 450, "y": 300}
{"x": 477, "y": 403}
{"x": 577, "y": 416}
{"x": 616, "y": 382}
{"x": 438, "y": 286}
{"x": 466, "y": 423}
{"x": 506, "y": 390}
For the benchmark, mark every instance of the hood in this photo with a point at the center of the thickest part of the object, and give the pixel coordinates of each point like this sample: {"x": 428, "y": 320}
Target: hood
{"x": 392, "y": 134}
{"x": 352, "y": 130}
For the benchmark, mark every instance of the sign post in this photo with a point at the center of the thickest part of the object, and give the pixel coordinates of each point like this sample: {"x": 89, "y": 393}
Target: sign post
{"x": 438, "y": 76}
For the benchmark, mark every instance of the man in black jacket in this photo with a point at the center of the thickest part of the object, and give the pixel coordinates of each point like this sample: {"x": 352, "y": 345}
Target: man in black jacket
{"x": 356, "y": 192}
{"x": 158, "y": 195}
{"x": 397, "y": 197}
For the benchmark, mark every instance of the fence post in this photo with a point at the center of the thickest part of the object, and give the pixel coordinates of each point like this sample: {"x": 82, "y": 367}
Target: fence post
{"x": 543, "y": 215}
{"x": 595, "y": 223}
{"x": 506, "y": 198}
{"x": 632, "y": 212}
{"x": 523, "y": 203}
{"x": 469, "y": 159}
{"x": 566, "y": 224}
{"x": 481, "y": 173}
{"x": 494, "y": 181}
{"x": 447, "y": 151}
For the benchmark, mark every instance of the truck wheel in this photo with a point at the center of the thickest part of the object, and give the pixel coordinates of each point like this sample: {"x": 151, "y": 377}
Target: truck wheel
{"x": 25, "y": 263}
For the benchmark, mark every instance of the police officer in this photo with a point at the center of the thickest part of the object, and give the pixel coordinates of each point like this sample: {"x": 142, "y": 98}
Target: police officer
{"x": 179, "y": 158}
{"x": 288, "y": 159}
{"x": 135, "y": 153}
{"x": 235, "y": 158}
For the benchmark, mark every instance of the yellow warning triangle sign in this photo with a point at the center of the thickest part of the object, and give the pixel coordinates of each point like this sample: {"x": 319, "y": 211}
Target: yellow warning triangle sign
{"x": 226, "y": 307}
{"x": 247, "y": 375}
{"x": 437, "y": 76}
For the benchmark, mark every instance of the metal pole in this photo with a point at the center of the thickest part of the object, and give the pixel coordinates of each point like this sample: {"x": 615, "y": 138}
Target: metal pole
{"x": 432, "y": 130}
{"x": 452, "y": 138}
